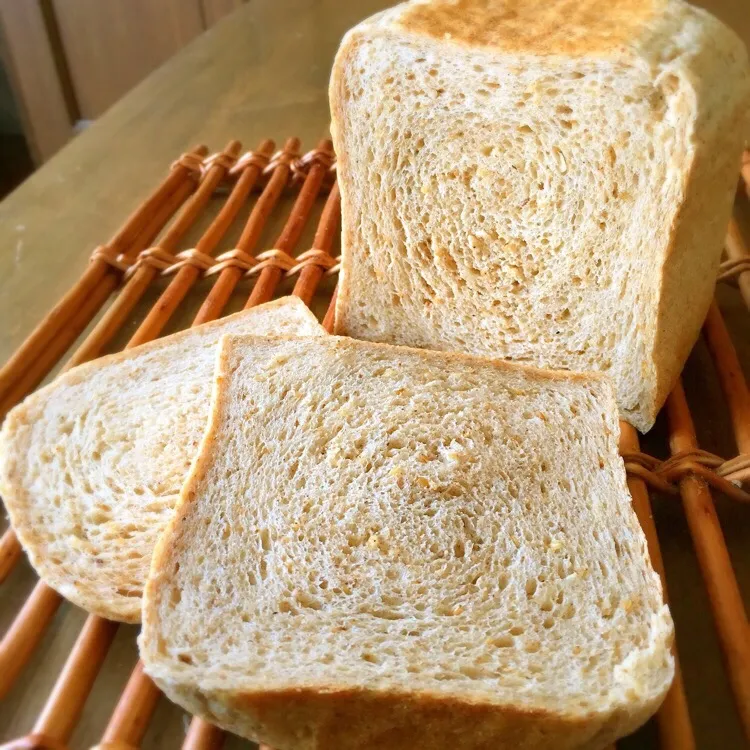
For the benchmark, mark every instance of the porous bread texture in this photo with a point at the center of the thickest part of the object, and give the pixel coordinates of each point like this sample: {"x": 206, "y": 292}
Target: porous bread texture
{"x": 406, "y": 549}
{"x": 540, "y": 180}
{"x": 92, "y": 464}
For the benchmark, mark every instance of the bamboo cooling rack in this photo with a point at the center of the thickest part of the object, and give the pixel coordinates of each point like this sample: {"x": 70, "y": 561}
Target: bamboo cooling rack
{"x": 133, "y": 290}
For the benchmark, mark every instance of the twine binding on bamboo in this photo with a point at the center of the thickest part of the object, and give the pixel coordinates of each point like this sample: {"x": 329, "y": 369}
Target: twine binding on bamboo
{"x": 299, "y": 165}
{"x": 221, "y": 159}
{"x": 273, "y": 258}
{"x": 281, "y": 158}
{"x": 247, "y": 160}
{"x": 168, "y": 264}
{"x": 191, "y": 162}
{"x": 315, "y": 257}
{"x": 729, "y": 270}
{"x": 665, "y": 476}
{"x": 322, "y": 157}
{"x": 117, "y": 260}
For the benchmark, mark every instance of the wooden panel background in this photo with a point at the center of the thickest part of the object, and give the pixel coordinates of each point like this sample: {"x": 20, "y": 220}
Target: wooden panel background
{"x": 213, "y": 10}
{"x": 30, "y": 63}
{"x": 110, "y": 46}
{"x": 72, "y": 59}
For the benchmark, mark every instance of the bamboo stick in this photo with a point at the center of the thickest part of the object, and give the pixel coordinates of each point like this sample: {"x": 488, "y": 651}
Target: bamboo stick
{"x": 54, "y": 321}
{"x": 143, "y": 690}
{"x": 731, "y": 377}
{"x": 737, "y": 250}
{"x": 270, "y": 276}
{"x": 64, "y": 705}
{"x": 10, "y": 548}
{"x": 745, "y": 171}
{"x": 310, "y": 276}
{"x": 141, "y": 695}
{"x": 719, "y": 578}
{"x": 19, "y": 642}
{"x": 137, "y": 284}
{"x": 130, "y": 719}
{"x": 330, "y": 312}
{"x": 39, "y": 368}
{"x": 203, "y": 732}
{"x": 10, "y": 553}
{"x": 141, "y": 686}
{"x": 136, "y": 705}
{"x": 90, "y": 637}
{"x": 25, "y": 632}
{"x": 219, "y": 295}
{"x": 675, "y": 729}
{"x": 330, "y": 317}
{"x": 184, "y": 279}
{"x": 203, "y": 736}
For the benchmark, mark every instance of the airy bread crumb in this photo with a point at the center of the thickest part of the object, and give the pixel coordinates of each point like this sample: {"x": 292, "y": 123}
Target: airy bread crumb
{"x": 334, "y": 579}
{"x": 91, "y": 465}
{"x": 544, "y": 181}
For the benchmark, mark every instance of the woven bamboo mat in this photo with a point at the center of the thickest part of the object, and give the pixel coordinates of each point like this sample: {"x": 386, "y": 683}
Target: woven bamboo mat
{"x": 233, "y": 230}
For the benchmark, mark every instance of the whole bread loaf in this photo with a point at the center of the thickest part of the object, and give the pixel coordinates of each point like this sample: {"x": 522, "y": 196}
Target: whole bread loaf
{"x": 92, "y": 464}
{"x": 380, "y": 547}
{"x": 541, "y": 180}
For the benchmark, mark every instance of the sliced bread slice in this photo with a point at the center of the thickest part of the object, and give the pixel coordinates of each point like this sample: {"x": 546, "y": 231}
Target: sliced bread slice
{"x": 545, "y": 181}
{"x": 92, "y": 464}
{"x": 395, "y": 548}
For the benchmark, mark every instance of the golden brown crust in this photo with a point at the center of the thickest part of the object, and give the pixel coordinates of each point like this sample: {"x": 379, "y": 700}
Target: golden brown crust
{"x": 331, "y": 718}
{"x": 694, "y": 253}
{"x": 539, "y": 27}
{"x": 336, "y": 96}
{"x": 345, "y": 342}
{"x": 397, "y": 721}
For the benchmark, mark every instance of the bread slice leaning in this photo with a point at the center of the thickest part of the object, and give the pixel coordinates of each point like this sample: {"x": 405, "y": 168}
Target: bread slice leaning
{"x": 92, "y": 464}
{"x": 382, "y": 547}
{"x": 544, "y": 181}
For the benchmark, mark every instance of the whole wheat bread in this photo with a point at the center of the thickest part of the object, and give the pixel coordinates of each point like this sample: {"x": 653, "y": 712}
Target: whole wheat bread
{"x": 92, "y": 464}
{"x": 380, "y": 547}
{"x": 541, "y": 180}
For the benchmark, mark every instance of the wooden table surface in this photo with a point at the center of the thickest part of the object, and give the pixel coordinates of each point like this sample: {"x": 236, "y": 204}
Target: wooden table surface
{"x": 263, "y": 72}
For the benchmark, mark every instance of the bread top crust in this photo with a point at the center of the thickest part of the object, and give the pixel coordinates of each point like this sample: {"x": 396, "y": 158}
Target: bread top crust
{"x": 539, "y": 27}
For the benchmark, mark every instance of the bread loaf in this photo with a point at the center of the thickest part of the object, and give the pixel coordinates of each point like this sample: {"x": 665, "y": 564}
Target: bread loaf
{"x": 408, "y": 550}
{"x": 91, "y": 465}
{"x": 541, "y": 180}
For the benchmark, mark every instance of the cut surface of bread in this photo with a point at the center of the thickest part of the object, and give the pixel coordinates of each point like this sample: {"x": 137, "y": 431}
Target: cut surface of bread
{"x": 91, "y": 465}
{"x": 540, "y": 180}
{"x": 396, "y": 548}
